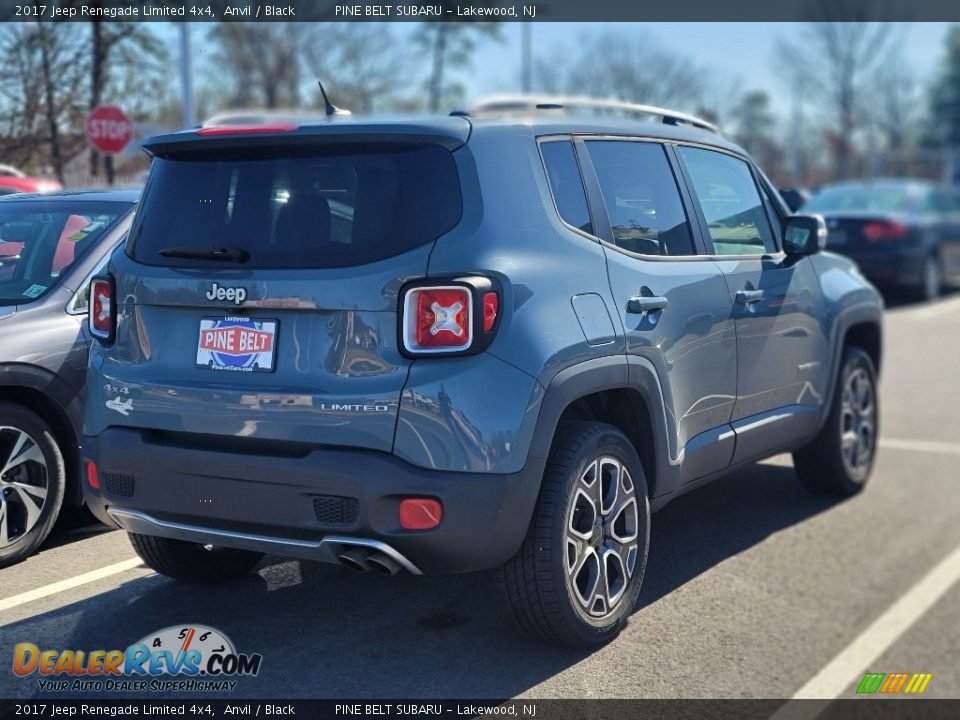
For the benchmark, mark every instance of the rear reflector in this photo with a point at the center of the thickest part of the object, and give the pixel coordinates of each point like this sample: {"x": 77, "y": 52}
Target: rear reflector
{"x": 420, "y": 513}
{"x": 93, "y": 475}
{"x": 491, "y": 303}
{"x": 247, "y": 129}
{"x": 437, "y": 319}
{"x": 102, "y": 308}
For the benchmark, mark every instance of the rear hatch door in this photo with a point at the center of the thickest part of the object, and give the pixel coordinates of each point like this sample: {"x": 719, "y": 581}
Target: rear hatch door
{"x": 258, "y": 292}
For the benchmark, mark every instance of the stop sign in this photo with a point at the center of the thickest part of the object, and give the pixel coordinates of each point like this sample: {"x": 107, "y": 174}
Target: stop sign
{"x": 108, "y": 129}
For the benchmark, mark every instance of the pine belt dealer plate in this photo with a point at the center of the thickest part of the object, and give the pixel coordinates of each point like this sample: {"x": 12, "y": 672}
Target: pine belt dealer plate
{"x": 237, "y": 343}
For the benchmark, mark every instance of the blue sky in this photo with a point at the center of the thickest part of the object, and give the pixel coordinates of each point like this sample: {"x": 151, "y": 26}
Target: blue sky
{"x": 744, "y": 53}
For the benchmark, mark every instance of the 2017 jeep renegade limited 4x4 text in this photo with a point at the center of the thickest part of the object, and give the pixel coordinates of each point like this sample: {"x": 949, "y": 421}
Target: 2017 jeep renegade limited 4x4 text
{"x": 452, "y": 344}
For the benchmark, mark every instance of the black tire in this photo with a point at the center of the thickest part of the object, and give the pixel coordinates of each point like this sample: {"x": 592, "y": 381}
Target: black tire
{"x": 537, "y": 582}
{"x": 193, "y": 563}
{"x": 931, "y": 282}
{"x": 821, "y": 465}
{"x": 51, "y": 473}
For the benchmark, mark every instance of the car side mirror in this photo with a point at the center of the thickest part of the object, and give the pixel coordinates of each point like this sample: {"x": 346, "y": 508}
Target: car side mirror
{"x": 804, "y": 234}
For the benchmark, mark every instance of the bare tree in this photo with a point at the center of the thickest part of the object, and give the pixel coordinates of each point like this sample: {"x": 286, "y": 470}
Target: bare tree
{"x": 755, "y": 130}
{"x": 261, "y": 61}
{"x": 119, "y": 50}
{"x": 837, "y": 59}
{"x": 41, "y": 71}
{"x": 895, "y": 114}
{"x": 627, "y": 67}
{"x": 362, "y": 66}
{"x": 450, "y": 45}
{"x": 942, "y": 127}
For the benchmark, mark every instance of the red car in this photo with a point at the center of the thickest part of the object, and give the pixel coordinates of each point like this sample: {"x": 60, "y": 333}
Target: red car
{"x": 10, "y": 184}
{"x": 13, "y": 181}
{"x": 9, "y": 255}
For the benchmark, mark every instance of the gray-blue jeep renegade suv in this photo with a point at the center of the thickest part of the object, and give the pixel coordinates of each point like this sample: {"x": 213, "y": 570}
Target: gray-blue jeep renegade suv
{"x": 493, "y": 340}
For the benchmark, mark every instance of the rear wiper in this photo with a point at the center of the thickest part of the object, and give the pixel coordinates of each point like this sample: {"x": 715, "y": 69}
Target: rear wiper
{"x": 215, "y": 254}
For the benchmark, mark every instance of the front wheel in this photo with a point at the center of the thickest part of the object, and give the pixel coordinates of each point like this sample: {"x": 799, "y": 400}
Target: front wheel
{"x": 931, "y": 283}
{"x": 840, "y": 459}
{"x": 33, "y": 479}
{"x": 191, "y": 562}
{"x": 577, "y": 575}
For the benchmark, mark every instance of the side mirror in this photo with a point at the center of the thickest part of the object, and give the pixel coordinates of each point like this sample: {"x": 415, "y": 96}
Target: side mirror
{"x": 804, "y": 234}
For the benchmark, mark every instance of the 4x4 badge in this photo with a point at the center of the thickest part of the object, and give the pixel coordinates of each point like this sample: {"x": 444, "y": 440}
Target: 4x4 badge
{"x": 236, "y": 295}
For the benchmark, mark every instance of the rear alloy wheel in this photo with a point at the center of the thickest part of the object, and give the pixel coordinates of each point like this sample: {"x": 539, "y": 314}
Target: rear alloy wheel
{"x": 577, "y": 576}
{"x": 601, "y": 537}
{"x": 32, "y": 482}
{"x": 840, "y": 459}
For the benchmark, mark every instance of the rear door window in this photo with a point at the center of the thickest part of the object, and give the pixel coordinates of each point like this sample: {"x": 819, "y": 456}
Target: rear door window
{"x": 566, "y": 183}
{"x": 296, "y": 207}
{"x": 641, "y": 196}
{"x": 736, "y": 218}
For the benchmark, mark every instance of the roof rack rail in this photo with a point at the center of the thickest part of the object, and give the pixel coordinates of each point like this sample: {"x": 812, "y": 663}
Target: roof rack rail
{"x": 519, "y": 104}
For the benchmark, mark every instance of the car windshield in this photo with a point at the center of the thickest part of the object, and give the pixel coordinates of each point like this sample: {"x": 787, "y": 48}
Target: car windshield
{"x": 864, "y": 198}
{"x": 40, "y": 241}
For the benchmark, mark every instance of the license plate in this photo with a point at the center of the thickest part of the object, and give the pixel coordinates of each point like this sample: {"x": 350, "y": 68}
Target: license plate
{"x": 836, "y": 237}
{"x": 237, "y": 343}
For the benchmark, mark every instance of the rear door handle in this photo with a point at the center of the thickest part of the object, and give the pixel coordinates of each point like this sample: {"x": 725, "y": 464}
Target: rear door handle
{"x": 645, "y": 304}
{"x": 748, "y": 297}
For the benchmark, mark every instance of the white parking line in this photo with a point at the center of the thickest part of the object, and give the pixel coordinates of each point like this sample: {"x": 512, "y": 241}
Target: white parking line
{"x": 854, "y": 660}
{"x": 932, "y": 446}
{"x": 69, "y": 583}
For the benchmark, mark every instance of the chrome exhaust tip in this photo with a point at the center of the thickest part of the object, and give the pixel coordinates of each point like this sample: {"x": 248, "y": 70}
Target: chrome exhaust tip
{"x": 383, "y": 564}
{"x": 355, "y": 558}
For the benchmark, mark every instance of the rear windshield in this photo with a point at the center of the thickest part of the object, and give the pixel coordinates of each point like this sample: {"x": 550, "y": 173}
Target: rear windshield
{"x": 40, "y": 242}
{"x": 864, "y": 198}
{"x": 295, "y": 207}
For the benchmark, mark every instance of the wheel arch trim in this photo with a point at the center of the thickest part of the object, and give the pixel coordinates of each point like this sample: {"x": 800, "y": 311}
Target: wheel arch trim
{"x": 853, "y": 316}
{"x": 612, "y": 372}
{"x": 63, "y": 401}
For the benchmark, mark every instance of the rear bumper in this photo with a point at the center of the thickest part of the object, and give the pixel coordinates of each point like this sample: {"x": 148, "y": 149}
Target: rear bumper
{"x": 286, "y": 502}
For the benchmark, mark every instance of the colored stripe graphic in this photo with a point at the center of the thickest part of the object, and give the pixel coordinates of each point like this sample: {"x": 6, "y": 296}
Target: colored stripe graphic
{"x": 918, "y": 683}
{"x": 871, "y": 682}
{"x": 893, "y": 683}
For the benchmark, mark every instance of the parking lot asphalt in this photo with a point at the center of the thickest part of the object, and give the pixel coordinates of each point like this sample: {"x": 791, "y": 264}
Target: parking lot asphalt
{"x": 754, "y": 589}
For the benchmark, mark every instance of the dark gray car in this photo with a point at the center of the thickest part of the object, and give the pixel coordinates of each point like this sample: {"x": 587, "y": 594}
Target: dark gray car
{"x": 50, "y": 245}
{"x": 900, "y": 232}
{"x": 451, "y": 344}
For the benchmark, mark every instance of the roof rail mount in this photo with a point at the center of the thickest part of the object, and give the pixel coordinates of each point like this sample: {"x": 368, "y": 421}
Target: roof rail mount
{"x": 518, "y": 104}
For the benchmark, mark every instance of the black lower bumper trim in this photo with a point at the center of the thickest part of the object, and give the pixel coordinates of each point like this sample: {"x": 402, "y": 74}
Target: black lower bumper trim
{"x": 485, "y": 516}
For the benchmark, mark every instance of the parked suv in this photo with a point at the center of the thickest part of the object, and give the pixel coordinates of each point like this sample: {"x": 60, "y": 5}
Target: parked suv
{"x": 451, "y": 344}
